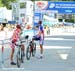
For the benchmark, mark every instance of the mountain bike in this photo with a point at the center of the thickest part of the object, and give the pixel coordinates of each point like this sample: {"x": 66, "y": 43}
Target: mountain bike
{"x": 31, "y": 49}
{"x": 20, "y": 53}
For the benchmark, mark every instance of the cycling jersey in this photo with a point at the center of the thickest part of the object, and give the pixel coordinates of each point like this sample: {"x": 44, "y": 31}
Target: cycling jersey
{"x": 41, "y": 29}
{"x": 39, "y": 35}
{"x": 41, "y": 32}
{"x": 15, "y": 37}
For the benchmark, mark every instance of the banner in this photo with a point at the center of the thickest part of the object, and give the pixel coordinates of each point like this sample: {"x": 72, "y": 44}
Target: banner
{"x": 37, "y": 17}
{"x": 60, "y": 7}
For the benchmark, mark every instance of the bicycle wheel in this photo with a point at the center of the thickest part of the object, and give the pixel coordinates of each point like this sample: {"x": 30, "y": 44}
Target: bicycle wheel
{"x": 28, "y": 52}
{"x": 22, "y": 57}
{"x": 34, "y": 49}
{"x": 18, "y": 60}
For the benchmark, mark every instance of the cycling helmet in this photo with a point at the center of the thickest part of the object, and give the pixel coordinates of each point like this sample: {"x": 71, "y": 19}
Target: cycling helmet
{"x": 18, "y": 26}
{"x": 40, "y": 22}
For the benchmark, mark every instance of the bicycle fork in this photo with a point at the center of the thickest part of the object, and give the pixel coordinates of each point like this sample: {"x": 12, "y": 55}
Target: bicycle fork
{"x": 20, "y": 54}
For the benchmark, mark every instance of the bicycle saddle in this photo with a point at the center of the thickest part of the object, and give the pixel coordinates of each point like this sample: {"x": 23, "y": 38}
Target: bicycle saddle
{"x": 26, "y": 37}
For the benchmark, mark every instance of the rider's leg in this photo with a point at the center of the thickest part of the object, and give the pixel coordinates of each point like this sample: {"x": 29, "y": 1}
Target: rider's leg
{"x": 11, "y": 57}
{"x": 41, "y": 48}
{"x": 33, "y": 39}
{"x": 12, "y": 54}
{"x": 23, "y": 49}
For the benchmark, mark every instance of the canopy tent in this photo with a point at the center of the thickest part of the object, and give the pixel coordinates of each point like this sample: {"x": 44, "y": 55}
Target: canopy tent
{"x": 11, "y": 22}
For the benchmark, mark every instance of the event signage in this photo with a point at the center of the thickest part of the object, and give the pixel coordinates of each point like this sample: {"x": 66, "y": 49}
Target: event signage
{"x": 60, "y": 7}
{"x": 46, "y": 7}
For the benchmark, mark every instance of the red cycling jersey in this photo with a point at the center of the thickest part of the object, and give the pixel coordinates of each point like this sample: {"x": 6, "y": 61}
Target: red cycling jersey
{"x": 15, "y": 35}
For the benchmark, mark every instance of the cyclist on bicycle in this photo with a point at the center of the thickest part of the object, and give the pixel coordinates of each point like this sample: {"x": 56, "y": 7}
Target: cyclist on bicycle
{"x": 40, "y": 37}
{"x": 15, "y": 37}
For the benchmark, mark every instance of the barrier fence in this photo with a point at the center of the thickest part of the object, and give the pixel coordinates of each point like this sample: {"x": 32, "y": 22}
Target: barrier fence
{"x": 4, "y": 50}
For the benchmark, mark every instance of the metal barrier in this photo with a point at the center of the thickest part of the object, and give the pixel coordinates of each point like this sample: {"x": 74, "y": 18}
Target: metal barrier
{"x": 5, "y": 46}
{"x": 4, "y": 51}
{"x": 2, "y": 43}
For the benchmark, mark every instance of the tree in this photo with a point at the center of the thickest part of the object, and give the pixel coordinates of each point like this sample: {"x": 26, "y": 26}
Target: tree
{"x": 52, "y": 0}
{"x": 1, "y": 3}
{"x": 6, "y": 3}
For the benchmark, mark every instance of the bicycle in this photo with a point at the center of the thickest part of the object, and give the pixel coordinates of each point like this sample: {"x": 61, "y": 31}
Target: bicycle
{"x": 20, "y": 53}
{"x": 31, "y": 49}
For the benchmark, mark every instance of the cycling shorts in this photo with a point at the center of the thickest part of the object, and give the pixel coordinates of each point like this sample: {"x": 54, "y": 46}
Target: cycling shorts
{"x": 13, "y": 42}
{"x": 39, "y": 38}
{"x": 36, "y": 38}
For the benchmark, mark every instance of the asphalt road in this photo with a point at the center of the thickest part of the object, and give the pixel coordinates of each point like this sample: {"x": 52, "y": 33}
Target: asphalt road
{"x": 59, "y": 55}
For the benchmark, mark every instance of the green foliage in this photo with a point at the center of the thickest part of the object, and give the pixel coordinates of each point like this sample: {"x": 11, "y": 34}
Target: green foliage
{"x": 1, "y": 5}
{"x": 70, "y": 20}
{"x": 52, "y": 0}
{"x": 60, "y": 20}
{"x": 6, "y": 3}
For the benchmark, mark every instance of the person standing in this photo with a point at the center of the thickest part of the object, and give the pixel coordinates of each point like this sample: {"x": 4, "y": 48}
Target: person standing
{"x": 39, "y": 35}
{"x": 15, "y": 37}
{"x": 41, "y": 42}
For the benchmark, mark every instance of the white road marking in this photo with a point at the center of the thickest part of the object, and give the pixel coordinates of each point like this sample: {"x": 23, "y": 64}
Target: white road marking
{"x": 59, "y": 39}
{"x": 54, "y": 47}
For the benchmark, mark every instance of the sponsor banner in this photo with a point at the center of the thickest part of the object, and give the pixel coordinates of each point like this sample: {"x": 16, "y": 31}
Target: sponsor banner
{"x": 37, "y": 17}
{"x": 60, "y": 7}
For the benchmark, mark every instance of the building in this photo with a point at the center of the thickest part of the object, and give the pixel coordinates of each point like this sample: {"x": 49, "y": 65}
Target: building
{"x": 5, "y": 15}
{"x": 22, "y": 11}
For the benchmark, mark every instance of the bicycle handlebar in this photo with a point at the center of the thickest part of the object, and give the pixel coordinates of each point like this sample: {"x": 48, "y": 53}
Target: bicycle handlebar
{"x": 20, "y": 43}
{"x": 26, "y": 37}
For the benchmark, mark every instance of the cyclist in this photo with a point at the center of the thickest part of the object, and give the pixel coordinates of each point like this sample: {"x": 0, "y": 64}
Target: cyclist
{"x": 15, "y": 37}
{"x": 40, "y": 37}
{"x": 41, "y": 32}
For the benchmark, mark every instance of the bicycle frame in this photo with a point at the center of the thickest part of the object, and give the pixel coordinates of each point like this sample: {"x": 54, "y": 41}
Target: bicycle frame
{"x": 20, "y": 53}
{"x": 19, "y": 50}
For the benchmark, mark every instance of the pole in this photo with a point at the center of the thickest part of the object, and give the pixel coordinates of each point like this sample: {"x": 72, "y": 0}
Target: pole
{"x": 2, "y": 53}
